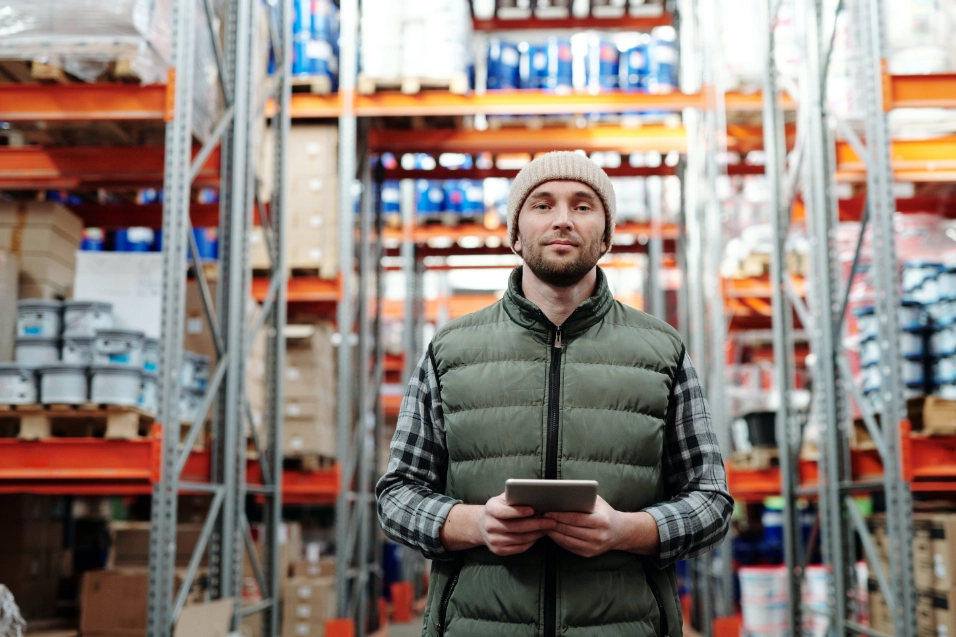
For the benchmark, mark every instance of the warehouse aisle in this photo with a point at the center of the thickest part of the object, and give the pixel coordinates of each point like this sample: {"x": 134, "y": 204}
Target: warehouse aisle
{"x": 411, "y": 629}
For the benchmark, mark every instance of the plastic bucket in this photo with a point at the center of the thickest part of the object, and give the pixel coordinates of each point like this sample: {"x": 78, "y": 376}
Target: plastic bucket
{"x": 63, "y": 383}
{"x": 911, "y": 315}
{"x": 114, "y": 384}
{"x": 18, "y": 384}
{"x": 915, "y": 273}
{"x": 78, "y": 350}
{"x": 151, "y": 355}
{"x": 870, "y": 352}
{"x": 816, "y": 582}
{"x": 190, "y": 400}
{"x": 603, "y": 64}
{"x": 867, "y": 323}
{"x": 532, "y": 66}
{"x": 35, "y": 351}
{"x": 560, "y": 64}
{"x": 39, "y": 317}
{"x": 124, "y": 347}
{"x": 195, "y": 372}
{"x": 764, "y": 615}
{"x": 912, "y": 342}
{"x": 83, "y": 318}
{"x": 148, "y": 393}
{"x": 947, "y": 282}
{"x": 664, "y": 60}
{"x": 763, "y": 582}
{"x": 503, "y": 64}
{"x": 636, "y": 66}
{"x": 391, "y": 197}
{"x": 134, "y": 240}
{"x": 944, "y": 370}
{"x": 913, "y": 371}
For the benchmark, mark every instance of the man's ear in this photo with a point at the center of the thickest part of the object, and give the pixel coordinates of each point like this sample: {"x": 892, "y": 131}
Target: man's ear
{"x": 517, "y": 246}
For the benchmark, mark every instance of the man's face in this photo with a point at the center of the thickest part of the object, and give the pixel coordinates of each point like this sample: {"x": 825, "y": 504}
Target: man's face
{"x": 561, "y": 231}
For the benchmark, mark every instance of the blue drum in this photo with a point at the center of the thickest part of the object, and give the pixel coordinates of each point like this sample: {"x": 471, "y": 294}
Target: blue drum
{"x": 636, "y": 66}
{"x": 533, "y": 66}
{"x": 391, "y": 197}
{"x": 664, "y": 60}
{"x": 503, "y": 64}
{"x": 603, "y": 64}
{"x": 559, "y": 64}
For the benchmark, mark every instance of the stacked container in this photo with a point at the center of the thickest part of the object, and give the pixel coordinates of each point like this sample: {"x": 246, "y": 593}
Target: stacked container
{"x": 764, "y": 600}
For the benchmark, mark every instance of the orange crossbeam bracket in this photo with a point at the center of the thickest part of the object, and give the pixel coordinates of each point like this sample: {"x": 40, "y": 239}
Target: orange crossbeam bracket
{"x": 170, "y": 95}
{"x": 340, "y": 628}
{"x": 402, "y": 598}
{"x": 906, "y": 452}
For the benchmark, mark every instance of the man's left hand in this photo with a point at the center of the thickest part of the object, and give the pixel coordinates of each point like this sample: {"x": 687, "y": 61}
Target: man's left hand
{"x": 589, "y": 534}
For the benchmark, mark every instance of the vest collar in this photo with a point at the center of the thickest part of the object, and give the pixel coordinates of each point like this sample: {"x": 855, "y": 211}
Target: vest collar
{"x": 529, "y": 316}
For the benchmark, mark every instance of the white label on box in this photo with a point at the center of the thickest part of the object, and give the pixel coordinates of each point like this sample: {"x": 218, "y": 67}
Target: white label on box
{"x": 315, "y": 254}
{"x": 305, "y": 592}
{"x": 303, "y": 630}
{"x": 303, "y": 611}
{"x": 315, "y": 184}
{"x": 294, "y": 410}
{"x": 293, "y": 373}
{"x": 312, "y": 552}
{"x": 313, "y": 148}
{"x": 939, "y": 566}
{"x": 296, "y": 443}
{"x": 316, "y": 221}
{"x": 194, "y": 324}
{"x": 283, "y": 534}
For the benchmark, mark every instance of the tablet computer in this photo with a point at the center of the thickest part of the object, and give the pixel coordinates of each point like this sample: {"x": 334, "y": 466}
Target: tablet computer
{"x": 545, "y": 496}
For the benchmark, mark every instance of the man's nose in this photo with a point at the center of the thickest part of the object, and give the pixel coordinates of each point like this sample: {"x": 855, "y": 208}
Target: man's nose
{"x": 562, "y": 216}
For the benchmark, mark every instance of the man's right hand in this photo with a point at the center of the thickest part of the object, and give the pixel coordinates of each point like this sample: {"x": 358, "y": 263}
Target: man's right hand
{"x": 509, "y": 530}
{"x": 504, "y": 529}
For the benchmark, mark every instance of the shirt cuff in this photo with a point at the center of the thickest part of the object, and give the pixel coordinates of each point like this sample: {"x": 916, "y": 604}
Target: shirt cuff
{"x": 438, "y": 507}
{"x": 670, "y": 528}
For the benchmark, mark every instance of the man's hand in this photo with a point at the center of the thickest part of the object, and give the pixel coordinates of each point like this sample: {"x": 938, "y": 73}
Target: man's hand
{"x": 508, "y": 530}
{"x": 603, "y": 530}
{"x": 505, "y": 530}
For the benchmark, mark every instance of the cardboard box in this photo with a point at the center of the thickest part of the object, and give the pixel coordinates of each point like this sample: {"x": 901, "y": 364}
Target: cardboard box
{"x": 290, "y": 547}
{"x": 323, "y": 567}
{"x": 42, "y": 214}
{"x": 132, "y": 282}
{"x": 939, "y": 416}
{"x": 198, "y": 337}
{"x": 9, "y": 290}
{"x": 114, "y": 602}
{"x": 880, "y": 618}
{"x": 130, "y": 544}
{"x": 211, "y": 619}
{"x": 44, "y": 236}
{"x": 943, "y": 546}
{"x": 307, "y": 437}
{"x": 307, "y": 602}
{"x": 936, "y": 613}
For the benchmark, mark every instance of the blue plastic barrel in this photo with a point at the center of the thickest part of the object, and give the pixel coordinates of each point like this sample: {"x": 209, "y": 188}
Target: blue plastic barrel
{"x": 133, "y": 240}
{"x": 94, "y": 240}
{"x": 533, "y": 66}
{"x": 391, "y": 197}
{"x": 207, "y": 240}
{"x": 636, "y": 66}
{"x": 454, "y": 196}
{"x": 603, "y": 64}
{"x": 301, "y": 36}
{"x": 474, "y": 197}
{"x": 503, "y": 64}
{"x": 664, "y": 60}
{"x": 559, "y": 63}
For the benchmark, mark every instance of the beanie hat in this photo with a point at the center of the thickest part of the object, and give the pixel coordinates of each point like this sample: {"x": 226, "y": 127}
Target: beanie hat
{"x": 567, "y": 166}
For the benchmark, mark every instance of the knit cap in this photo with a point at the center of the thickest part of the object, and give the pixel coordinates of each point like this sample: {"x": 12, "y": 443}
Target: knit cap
{"x": 561, "y": 166}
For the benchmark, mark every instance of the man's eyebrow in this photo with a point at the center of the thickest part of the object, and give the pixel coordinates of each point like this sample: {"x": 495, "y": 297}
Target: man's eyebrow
{"x": 541, "y": 194}
{"x": 584, "y": 194}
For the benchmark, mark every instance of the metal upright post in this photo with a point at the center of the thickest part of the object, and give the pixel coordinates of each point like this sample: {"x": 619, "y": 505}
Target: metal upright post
{"x": 176, "y": 189}
{"x": 345, "y": 522}
{"x": 882, "y": 206}
{"x": 655, "y": 249}
{"x": 275, "y": 353}
{"x": 787, "y": 443}
{"x": 821, "y": 218}
{"x": 409, "y": 340}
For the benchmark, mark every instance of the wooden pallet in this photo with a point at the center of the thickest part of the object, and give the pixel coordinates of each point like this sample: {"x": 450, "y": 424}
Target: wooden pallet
{"x": 317, "y": 84}
{"x": 457, "y": 84}
{"x": 756, "y": 459}
{"x": 88, "y": 420}
{"x": 308, "y": 462}
{"x": 20, "y": 71}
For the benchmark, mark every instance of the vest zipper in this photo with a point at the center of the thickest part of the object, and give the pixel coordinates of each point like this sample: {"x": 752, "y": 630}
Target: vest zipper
{"x": 551, "y": 473}
{"x": 660, "y": 604}
{"x": 446, "y": 597}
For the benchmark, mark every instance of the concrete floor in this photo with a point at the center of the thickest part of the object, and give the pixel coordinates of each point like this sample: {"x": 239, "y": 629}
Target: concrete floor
{"x": 411, "y": 629}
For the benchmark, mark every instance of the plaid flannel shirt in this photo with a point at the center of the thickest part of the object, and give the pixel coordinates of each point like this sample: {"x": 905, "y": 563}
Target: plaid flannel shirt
{"x": 412, "y": 506}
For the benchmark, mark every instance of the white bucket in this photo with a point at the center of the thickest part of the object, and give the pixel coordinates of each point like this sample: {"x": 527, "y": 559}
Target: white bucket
{"x": 947, "y": 390}
{"x": 913, "y": 371}
{"x": 195, "y": 374}
{"x": 870, "y": 352}
{"x": 84, "y": 318}
{"x": 18, "y": 384}
{"x": 760, "y": 614}
{"x": 916, "y": 273}
{"x": 151, "y": 355}
{"x": 63, "y": 383}
{"x": 816, "y": 582}
{"x": 190, "y": 400}
{"x": 148, "y": 393}
{"x": 872, "y": 379}
{"x": 911, "y": 316}
{"x": 911, "y": 342}
{"x": 926, "y": 292}
{"x": 39, "y": 317}
{"x": 122, "y": 347}
{"x": 947, "y": 282}
{"x": 35, "y": 351}
{"x": 115, "y": 384}
{"x": 763, "y": 582}
{"x": 867, "y": 323}
{"x": 78, "y": 350}
{"x": 943, "y": 340}
{"x": 944, "y": 371}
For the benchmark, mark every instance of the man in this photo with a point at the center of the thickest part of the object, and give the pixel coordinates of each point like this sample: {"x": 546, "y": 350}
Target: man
{"x": 556, "y": 381}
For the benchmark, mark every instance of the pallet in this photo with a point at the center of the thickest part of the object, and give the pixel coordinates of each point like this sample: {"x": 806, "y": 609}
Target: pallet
{"x": 756, "y": 459}
{"x": 88, "y": 420}
{"x": 457, "y": 84}
{"x": 317, "y": 84}
{"x": 307, "y": 462}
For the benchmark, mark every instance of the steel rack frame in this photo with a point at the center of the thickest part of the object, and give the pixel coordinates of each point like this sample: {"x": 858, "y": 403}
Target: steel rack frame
{"x": 226, "y": 533}
{"x": 823, "y": 317}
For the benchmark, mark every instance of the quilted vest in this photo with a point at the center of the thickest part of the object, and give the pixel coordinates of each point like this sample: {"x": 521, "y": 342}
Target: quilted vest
{"x": 517, "y": 406}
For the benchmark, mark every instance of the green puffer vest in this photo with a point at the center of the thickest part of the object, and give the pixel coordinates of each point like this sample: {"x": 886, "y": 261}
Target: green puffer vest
{"x": 515, "y": 406}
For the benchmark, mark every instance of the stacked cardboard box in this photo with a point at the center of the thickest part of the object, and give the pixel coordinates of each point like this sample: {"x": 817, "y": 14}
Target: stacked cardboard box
{"x": 308, "y": 390}
{"x": 31, "y": 553}
{"x": 312, "y": 205}
{"x": 45, "y": 237}
{"x": 307, "y": 603}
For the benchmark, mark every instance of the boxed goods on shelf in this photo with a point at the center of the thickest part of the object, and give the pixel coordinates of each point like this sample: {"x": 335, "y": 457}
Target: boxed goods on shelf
{"x": 307, "y": 603}
{"x": 31, "y": 553}
{"x": 132, "y": 282}
{"x": 45, "y": 237}
{"x": 935, "y": 613}
{"x": 313, "y": 199}
{"x": 130, "y": 544}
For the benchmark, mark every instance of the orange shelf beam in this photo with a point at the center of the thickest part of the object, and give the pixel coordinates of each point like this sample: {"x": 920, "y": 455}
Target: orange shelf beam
{"x": 302, "y": 289}
{"x": 82, "y": 102}
{"x": 424, "y": 234}
{"x": 912, "y": 160}
{"x": 923, "y": 91}
{"x": 33, "y": 167}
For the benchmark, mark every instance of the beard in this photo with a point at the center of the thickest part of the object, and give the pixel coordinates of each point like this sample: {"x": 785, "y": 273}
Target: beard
{"x": 561, "y": 272}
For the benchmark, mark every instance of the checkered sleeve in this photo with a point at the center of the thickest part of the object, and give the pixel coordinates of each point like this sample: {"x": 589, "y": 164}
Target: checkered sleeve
{"x": 697, "y": 516}
{"x": 412, "y": 506}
